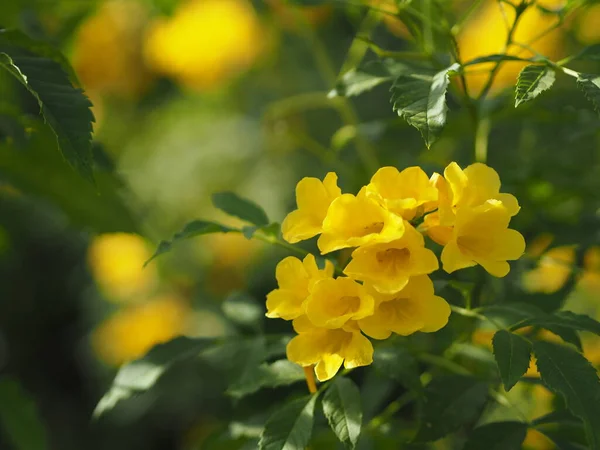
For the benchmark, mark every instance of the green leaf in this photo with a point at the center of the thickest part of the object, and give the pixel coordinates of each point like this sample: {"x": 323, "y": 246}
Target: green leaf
{"x": 141, "y": 375}
{"x": 497, "y": 436}
{"x": 559, "y": 416}
{"x": 511, "y": 313}
{"x": 494, "y": 58}
{"x": 244, "y": 209}
{"x": 566, "y": 372}
{"x": 19, "y": 417}
{"x": 249, "y": 356}
{"x": 399, "y": 364}
{"x": 532, "y": 81}
{"x": 590, "y": 85}
{"x": 243, "y": 309}
{"x": 290, "y": 428}
{"x": 513, "y": 354}
{"x": 367, "y": 77}
{"x": 64, "y": 107}
{"x": 420, "y": 98}
{"x": 451, "y": 401}
{"x": 192, "y": 229}
{"x": 342, "y": 408}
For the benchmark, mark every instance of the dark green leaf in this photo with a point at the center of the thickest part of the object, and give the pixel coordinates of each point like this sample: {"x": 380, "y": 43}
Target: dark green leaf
{"x": 248, "y": 360}
{"x": 532, "y": 81}
{"x": 497, "y": 436}
{"x": 65, "y": 108}
{"x": 398, "y": 363}
{"x": 271, "y": 230}
{"x": 342, "y": 408}
{"x": 511, "y": 313}
{"x": 142, "y": 374}
{"x": 367, "y": 77}
{"x": 590, "y": 85}
{"x": 192, "y": 229}
{"x": 566, "y": 372}
{"x": 512, "y": 354}
{"x": 495, "y": 58}
{"x": 19, "y": 417}
{"x": 420, "y": 98}
{"x": 241, "y": 208}
{"x": 290, "y": 428}
{"x": 559, "y": 416}
{"x": 242, "y": 309}
{"x": 591, "y": 53}
{"x": 451, "y": 401}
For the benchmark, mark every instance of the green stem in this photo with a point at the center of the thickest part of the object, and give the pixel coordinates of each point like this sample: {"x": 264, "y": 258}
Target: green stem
{"x": 278, "y": 242}
{"x": 390, "y": 410}
{"x": 457, "y": 27}
{"x": 443, "y": 363}
{"x": 482, "y": 132}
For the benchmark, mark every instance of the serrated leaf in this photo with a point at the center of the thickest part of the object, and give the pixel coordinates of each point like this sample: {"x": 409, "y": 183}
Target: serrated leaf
{"x": 399, "y": 364}
{"x": 64, "y": 107}
{"x": 497, "y": 436}
{"x": 566, "y": 372}
{"x": 497, "y": 57}
{"x": 242, "y": 208}
{"x": 367, "y": 77}
{"x": 420, "y": 99}
{"x": 192, "y": 229}
{"x": 590, "y": 85}
{"x": 451, "y": 401}
{"x": 19, "y": 417}
{"x": 512, "y": 353}
{"x": 142, "y": 374}
{"x": 290, "y": 428}
{"x": 532, "y": 81}
{"x": 511, "y": 313}
{"x": 342, "y": 408}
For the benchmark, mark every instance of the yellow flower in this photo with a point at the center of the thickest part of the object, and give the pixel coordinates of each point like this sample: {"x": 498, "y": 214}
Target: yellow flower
{"x": 295, "y": 279}
{"x": 334, "y": 302}
{"x": 117, "y": 264}
{"x": 353, "y": 221}
{"x": 590, "y": 279}
{"x": 205, "y": 42}
{"x": 313, "y": 198}
{"x": 328, "y": 348}
{"x": 552, "y": 272}
{"x": 131, "y": 332}
{"x": 414, "y": 308}
{"x": 481, "y": 236}
{"x": 475, "y": 185}
{"x": 588, "y": 25}
{"x": 388, "y": 267}
{"x": 403, "y": 193}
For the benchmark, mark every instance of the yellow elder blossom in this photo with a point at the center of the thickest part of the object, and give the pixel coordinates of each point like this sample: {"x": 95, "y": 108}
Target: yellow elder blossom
{"x": 552, "y": 271}
{"x": 334, "y": 302}
{"x": 402, "y": 193}
{"x": 388, "y": 267}
{"x": 481, "y": 236}
{"x": 205, "y": 42}
{"x": 414, "y": 308}
{"x": 353, "y": 221}
{"x": 296, "y": 279}
{"x": 313, "y": 198}
{"x": 328, "y": 348}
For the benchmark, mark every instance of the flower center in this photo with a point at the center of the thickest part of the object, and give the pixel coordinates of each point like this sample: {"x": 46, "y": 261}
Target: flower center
{"x": 372, "y": 228}
{"x": 348, "y": 305}
{"x": 475, "y": 245}
{"x": 397, "y": 256}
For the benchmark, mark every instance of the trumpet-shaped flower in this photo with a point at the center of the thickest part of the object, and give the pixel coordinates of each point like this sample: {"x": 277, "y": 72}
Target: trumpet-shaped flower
{"x": 353, "y": 221}
{"x": 328, "y": 348}
{"x": 313, "y": 198}
{"x": 333, "y": 302}
{"x": 481, "y": 236}
{"x": 388, "y": 267}
{"x": 404, "y": 193}
{"x": 475, "y": 185}
{"x": 414, "y": 308}
{"x": 295, "y": 279}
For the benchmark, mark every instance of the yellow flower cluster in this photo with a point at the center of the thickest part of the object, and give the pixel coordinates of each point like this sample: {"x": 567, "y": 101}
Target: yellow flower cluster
{"x": 385, "y": 287}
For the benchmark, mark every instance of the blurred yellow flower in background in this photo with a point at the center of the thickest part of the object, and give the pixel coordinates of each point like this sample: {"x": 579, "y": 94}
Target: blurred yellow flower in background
{"x": 552, "y": 272}
{"x": 131, "y": 332}
{"x": 286, "y": 16}
{"x": 587, "y": 30}
{"x": 205, "y": 42}
{"x": 107, "y": 52}
{"x": 117, "y": 264}
{"x": 485, "y": 34}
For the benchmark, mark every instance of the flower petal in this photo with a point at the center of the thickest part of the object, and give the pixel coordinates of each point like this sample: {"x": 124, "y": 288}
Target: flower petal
{"x": 453, "y": 259}
{"x": 358, "y": 352}
{"x": 328, "y": 366}
{"x": 436, "y": 312}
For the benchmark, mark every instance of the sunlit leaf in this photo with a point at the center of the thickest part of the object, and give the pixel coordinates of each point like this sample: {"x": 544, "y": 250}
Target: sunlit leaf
{"x": 241, "y": 208}
{"x": 567, "y": 373}
{"x": 19, "y": 417}
{"x": 532, "y": 81}
{"x": 290, "y": 428}
{"x": 497, "y": 436}
{"x": 513, "y": 354}
{"x": 420, "y": 99}
{"x": 367, "y": 77}
{"x": 64, "y": 107}
{"x": 342, "y": 408}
